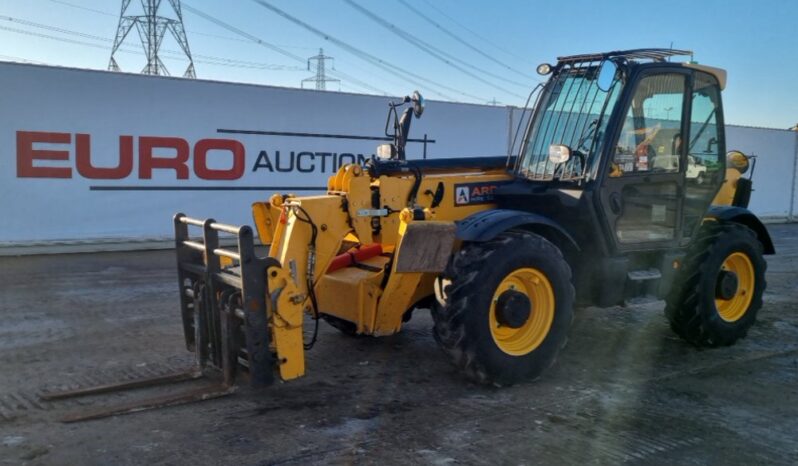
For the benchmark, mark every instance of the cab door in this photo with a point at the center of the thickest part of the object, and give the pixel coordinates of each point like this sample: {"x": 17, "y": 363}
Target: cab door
{"x": 641, "y": 198}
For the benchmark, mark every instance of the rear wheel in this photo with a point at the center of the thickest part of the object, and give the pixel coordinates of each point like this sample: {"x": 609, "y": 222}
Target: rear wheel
{"x": 718, "y": 291}
{"x": 506, "y": 308}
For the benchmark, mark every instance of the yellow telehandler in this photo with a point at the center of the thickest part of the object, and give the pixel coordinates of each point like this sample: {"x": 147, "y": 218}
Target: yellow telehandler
{"x": 603, "y": 203}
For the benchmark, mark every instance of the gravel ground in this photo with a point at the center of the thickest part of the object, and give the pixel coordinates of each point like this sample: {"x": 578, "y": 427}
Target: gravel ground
{"x": 625, "y": 389}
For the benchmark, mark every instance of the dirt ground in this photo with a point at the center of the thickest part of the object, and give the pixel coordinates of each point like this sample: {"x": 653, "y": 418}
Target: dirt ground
{"x": 625, "y": 390}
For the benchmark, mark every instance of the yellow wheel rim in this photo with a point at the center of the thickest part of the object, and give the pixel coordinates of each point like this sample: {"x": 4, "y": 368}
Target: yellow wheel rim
{"x": 526, "y": 338}
{"x": 731, "y": 310}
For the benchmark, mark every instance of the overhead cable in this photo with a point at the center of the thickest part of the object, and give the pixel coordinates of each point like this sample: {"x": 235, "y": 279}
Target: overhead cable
{"x": 204, "y": 59}
{"x": 379, "y": 62}
{"x": 476, "y": 34}
{"x": 434, "y": 51}
{"x": 461, "y": 40}
{"x": 273, "y": 47}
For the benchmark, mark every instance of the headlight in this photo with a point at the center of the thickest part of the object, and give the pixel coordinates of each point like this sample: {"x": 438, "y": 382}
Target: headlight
{"x": 559, "y": 153}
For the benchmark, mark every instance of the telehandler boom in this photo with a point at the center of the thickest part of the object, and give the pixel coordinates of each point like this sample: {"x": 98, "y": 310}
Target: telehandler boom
{"x": 603, "y": 203}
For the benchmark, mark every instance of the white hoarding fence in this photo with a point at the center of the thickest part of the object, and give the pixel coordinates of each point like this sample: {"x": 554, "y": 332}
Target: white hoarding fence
{"x": 90, "y": 155}
{"x": 776, "y": 152}
{"x": 100, "y": 158}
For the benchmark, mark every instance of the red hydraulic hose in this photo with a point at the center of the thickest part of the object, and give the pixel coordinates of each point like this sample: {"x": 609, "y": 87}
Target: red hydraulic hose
{"x": 354, "y": 256}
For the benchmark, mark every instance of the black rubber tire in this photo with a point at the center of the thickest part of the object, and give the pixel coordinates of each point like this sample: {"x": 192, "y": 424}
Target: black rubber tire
{"x": 690, "y": 306}
{"x": 462, "y": 321}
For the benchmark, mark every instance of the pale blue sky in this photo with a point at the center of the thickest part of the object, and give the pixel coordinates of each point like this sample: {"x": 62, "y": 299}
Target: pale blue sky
{"x": 754, "y": 40}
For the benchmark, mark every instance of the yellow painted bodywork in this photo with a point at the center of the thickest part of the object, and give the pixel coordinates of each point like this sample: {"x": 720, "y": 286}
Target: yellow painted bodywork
{"x": 719, "y": 73}
{"x": 725, "y": 195}
{"x": 285, "y": 320}
{"x": 353, "y": 293}
{"x": 374, "y": 296}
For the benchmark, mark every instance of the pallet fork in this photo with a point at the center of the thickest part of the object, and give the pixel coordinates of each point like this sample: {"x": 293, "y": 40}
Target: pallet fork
{"x": 221, "y": 307}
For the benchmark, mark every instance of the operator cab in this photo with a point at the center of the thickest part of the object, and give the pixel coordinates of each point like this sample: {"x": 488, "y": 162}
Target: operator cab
{"x": 625, "y": 150}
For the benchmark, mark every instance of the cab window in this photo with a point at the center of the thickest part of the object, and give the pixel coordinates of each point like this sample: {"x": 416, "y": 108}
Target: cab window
{"x": 651, "y": 138}
{"x": 704, "y": 159}
{"x": 705, "y": 150}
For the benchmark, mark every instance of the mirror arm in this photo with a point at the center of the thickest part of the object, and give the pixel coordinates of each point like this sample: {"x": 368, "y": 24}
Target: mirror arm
{"x": 713, "y": 141}
{"x": 391, "y": 111}
{"x": 401, "y": 126}
{"x": 403, "y": 132}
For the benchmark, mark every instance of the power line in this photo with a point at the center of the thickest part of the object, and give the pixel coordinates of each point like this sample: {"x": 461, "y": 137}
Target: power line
{"x": 46, "y": 36}
{"x": 476, "y": 34}
{"x": 365, "y": 56}
{"x": 236, "y": 39}
{"x": 273, "y": 47}
{"x": 459, "y": 39}
{"x": 384, "y": 77}
{"x": 249, "y": 38}
{"x": 245, "y": 65}
{"x": 85, "y": 8}
{"x": 152, "y": 27}
{"x": 434, "y": 51}
{"x": 197, "y": 33}
{"x": 242, "y": 33}
{"x": 376, "y": 61}
{"x": 26, "y": 22}
{"x": 204, "y": 59}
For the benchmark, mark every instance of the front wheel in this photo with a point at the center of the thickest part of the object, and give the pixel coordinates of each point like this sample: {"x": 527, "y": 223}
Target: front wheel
{"x": 506, "y": 308}
{"x": 718, "y": 290}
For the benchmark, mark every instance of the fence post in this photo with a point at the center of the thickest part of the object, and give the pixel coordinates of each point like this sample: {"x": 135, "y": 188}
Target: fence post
{"x": 791, "y": 216}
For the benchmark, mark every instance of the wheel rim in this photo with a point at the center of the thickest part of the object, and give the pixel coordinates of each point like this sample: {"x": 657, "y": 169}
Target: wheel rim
{"x": 530, "y": 334}
{"x": 731, "y": 310}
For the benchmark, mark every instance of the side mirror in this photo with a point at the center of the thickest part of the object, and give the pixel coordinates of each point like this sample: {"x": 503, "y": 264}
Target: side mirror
{"x": 710, "y": 143}
{"x": 737, "y": 160}
{"x": 559, "y": 153}
{"x": 606, "y": 75}
{"x": 418, "y": 104}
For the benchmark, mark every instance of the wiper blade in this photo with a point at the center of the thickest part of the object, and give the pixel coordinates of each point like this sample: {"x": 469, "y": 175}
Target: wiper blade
{"x": 586, "y": 133}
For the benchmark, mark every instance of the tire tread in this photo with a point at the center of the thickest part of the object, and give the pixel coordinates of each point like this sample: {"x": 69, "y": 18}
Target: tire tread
{"x": 463, "y": 272}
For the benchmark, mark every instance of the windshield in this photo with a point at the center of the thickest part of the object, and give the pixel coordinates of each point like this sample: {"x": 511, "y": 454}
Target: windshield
{"x": 573, "y": 112}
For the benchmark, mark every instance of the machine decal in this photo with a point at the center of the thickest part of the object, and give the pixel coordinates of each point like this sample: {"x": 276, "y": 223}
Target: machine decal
{"x": 475, "y": 193}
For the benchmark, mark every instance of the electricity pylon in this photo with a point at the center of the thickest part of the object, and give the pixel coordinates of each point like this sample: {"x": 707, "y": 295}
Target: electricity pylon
{"x": 151, "y": 27}
{"x": 321, "y": 78}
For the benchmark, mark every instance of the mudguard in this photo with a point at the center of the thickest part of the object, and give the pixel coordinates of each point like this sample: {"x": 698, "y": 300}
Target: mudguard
{"x": 487, "y": 224}
{"x": 745, "y": 217}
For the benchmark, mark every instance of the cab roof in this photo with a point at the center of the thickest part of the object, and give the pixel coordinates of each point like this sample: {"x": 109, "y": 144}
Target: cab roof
{"x": 652, "y": 54}
{"x": 635, "y": 54}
